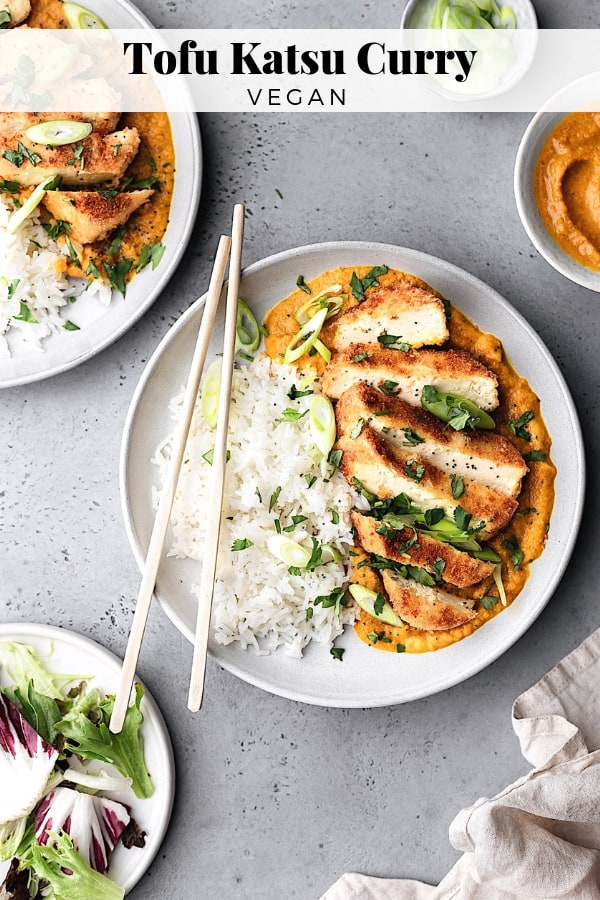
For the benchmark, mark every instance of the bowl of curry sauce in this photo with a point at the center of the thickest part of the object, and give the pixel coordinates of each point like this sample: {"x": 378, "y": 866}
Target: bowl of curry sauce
{"x": 557, "y": 181}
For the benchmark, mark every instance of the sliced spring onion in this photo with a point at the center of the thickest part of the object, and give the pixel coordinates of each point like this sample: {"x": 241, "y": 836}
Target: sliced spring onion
{"x": 322, "y": 422}
{"x": 497, "y": 575}
{"x": 58, "y": 132}
{"x": 322, "y": 350}
{"x": 288, "y": 551}
{"x": 507, "y": 18}
{"x": 322, "y": 301}
{"x": 209, "y": 399}
{"x": 247, "y": 329}
{"x": 471, "y": 14}
{"x": 330, "y": 554}
{"x": 307, "y": 336}
{"x": 486, "y": 554}
{"x": 366, "y": 600}
{"x": 33, "y": 201}
{"x": 79, "y": 17}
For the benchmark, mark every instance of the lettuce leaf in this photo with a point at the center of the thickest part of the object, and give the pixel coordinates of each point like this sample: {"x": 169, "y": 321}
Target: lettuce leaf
{"x": 89, "y": 736}
{"x": 23, "y": 665}
{"x": 68, "y": 875}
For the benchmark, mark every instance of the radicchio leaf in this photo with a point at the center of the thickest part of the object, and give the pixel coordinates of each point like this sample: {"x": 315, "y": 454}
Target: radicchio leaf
{"x": 26, "y": 761}
{"x": 93, "y": 823}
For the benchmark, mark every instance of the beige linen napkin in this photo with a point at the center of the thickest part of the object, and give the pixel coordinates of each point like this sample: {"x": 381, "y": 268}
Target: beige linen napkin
{"x": 540, "y": 837}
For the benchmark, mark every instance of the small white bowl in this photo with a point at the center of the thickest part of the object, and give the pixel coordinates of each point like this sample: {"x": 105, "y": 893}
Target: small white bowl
{"x": 581, "y": 95}
{"x": 522, "y": 41}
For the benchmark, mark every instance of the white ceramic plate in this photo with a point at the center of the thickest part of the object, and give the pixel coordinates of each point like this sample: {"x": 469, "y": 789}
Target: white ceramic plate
{"x": 366, "y": 677}
{"x": 100, "y": 325}
{"x": 72, "y": 653}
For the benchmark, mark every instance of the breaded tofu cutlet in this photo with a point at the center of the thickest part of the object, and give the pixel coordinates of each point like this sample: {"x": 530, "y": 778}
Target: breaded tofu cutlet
{"x": 386, "y": 471}
{"x": 429, "y": 608}
{"x": 484, "y": 457}
{"x": 411, "y": 314}
{"x": 459, "y": 568}
{"x": 97, "y": 159}
{"x": 93, "y": 216}
{"x": 451, "y": 371}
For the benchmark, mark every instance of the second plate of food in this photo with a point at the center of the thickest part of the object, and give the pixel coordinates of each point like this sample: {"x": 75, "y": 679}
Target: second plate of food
{"x": 288, "y": 532}
{"x": 77, "y": 275}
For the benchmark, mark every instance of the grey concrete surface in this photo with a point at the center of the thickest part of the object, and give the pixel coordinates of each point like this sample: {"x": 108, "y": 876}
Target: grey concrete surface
{"x": 275, "y": 798}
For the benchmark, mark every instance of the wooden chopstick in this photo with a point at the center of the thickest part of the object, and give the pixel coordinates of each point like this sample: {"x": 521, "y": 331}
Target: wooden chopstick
{"x": 217, "y": 474}
{"x": 161, "y": 522}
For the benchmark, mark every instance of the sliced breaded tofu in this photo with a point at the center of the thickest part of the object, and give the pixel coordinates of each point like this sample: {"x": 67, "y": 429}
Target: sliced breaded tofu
{"x": 386, "y": 471}
{"x": 104, "y": 158}
{"x": 450, "y": 371}
{"x": 92, "y": 216}
{"x": 412, "y": 314}
{"x": 481, "y": 456}
{"x": 15, "y": 123}
{"x": 460, "y": 569}
{"x": 18, "y": 10}
{"x": 429, "y": 608}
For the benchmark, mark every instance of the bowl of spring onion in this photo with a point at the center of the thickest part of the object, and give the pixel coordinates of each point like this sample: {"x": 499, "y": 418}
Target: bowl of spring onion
{"x": 505, "y": 35}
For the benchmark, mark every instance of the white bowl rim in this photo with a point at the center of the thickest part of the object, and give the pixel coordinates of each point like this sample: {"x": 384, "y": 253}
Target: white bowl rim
{"x": 552, "y": 252}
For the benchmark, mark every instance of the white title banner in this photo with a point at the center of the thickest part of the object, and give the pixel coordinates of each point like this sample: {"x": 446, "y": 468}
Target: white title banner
{"x": 309, "y": 70}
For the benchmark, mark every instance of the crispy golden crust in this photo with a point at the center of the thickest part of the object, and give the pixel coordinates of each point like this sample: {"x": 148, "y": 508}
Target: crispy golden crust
{"x": 104, "y": 158}
{"x": 424, "y": 607}
{"x": 481, "y": 456}
{"x": 92, "y": 216}
{"x": 450, "y": 369}
{"x": 460, "y": 569}
{"x": 413, "y": 314}
{"x": 387, "y": 471}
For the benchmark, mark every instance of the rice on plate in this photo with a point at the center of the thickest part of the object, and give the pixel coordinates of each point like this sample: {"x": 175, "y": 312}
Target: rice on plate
{"x": 34, "y": 286}
{"x": 277, "y": 483}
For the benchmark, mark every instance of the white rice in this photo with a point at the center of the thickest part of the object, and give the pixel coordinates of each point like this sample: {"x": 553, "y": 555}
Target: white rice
{"x": 33, "y": 259}
{"x": 257, "y": 601}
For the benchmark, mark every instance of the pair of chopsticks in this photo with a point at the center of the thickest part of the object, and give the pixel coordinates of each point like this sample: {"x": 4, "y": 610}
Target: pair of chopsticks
{"x": 226, "y": 246}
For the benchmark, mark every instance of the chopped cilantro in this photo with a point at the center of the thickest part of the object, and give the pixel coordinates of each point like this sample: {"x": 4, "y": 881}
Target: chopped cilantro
{"x": 9, "y": 187}
{"x": 241, "y": 544}
{"x": 457, "y": 483}
{"x": 400, "y": 648}
{"x": 415, "y": 470}
{"x": 310, "y": 479}
{"x": 337, "y": 653}
{"x": 57, "y": 228}
{"x": 115, "y": 244}
{"x": 292, "y": 415}
{"x": 72, "y": 252}
{"x": 335, "y": 516}
{"x": 150, "y": 253}
{"x": 294, "y": 393}
{"x": 92, "y": 270}
{"x": 393, "y": 342}
{"x": 70, "y": 326}
{"x": 517, "y": 426}
{"x": 411, "y": 438}
{"x": 535, "y": 456}
{"x": 489, "y": 601}
{"x": 300, "y": 283}
{"x": 118, "y": 272}
{"x": 309, "y": 613}
{"x": 360, "y": 357}
{"x": 517, "y": 554}
{"x": 274, "y": 497}
{"x": 25, "y": 314}
{"x": 359, "y": 286}
{"x": 389, "y": 388}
